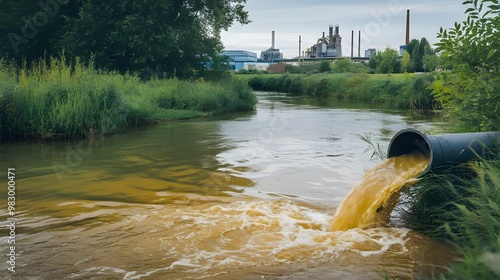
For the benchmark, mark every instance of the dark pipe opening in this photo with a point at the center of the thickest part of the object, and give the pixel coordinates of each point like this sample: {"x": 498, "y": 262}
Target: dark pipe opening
{"x": 445, "y": 149}
{"x": 409, "y": 141}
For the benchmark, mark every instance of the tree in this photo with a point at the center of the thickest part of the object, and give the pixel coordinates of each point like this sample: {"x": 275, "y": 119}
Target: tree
{"x": 430, "y": 60}
{"x": 178, "y": 37}
{"x": 325, "y": 66}
{"x": 413, "y": 51}
{"x": 405, "y": 61}
{"x": 423, "y": 47}
{"x": 29, "y": 29}
{"x": 471, "y": 91}
{"x": 342, "y": 65}
{"x": 389, "y": 62}
{"x": 374, "y": 61}
{"x": 417, "y": 50}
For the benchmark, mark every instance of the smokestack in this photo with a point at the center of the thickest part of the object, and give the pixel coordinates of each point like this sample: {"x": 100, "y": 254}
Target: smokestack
{"x": 352, "y": 44}
{"x": 359, "y": 44}
{"x": 300, "y": 47}
{"x": 273, "y": 41}
{"x": 407, "y": 27}
{"x": 331, "y": 31}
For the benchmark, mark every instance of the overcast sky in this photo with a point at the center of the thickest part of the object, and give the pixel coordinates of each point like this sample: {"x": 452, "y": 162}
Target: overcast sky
{"x": 381, "y": 22}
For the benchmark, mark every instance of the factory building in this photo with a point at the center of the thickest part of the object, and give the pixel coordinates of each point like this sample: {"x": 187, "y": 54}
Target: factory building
{"x": 369, "y": 53}
{"x": 330, "y": 46}
{"x": 273, "y": 54}
{"x": 239, "y": 58}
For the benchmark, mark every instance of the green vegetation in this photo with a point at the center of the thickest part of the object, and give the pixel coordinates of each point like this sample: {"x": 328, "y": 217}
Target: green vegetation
{"x": 419, "y": 57}
{"x": 400, "y": 90}
{"x": 54, "y": 100}
{"x": 471, "y": 91}
{"x": 339, "y": 66}
{"x": 462, "y": 205}
{"x": 385, "y": 62}
{"x": 163, "y": 38}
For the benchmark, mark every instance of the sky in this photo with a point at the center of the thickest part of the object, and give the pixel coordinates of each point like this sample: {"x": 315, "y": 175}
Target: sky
{"x": 382, "y": 23}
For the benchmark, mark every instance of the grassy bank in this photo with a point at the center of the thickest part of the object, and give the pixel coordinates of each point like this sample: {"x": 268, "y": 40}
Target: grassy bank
{"x": 462, "y": 207}
{"x": 55, "y": 100}
{"x": 398, "y": 90}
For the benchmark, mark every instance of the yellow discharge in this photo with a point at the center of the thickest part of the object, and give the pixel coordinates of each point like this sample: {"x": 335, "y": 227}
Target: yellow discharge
{"x": 371, "y": 201}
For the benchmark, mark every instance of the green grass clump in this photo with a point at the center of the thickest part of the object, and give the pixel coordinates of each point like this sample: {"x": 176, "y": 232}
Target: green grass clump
{"x": 59, "y": 100}
{"x": 461, "y": 206}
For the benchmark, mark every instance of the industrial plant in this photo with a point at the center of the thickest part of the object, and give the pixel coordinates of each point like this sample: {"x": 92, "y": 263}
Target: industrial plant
{"x": 330, "y": 46}
{"x": 273, "y": 54}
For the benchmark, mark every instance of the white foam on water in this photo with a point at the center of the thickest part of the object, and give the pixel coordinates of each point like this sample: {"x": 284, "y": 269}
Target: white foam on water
{"x": 252, "y": 233}
{"x": 194, "y": 240}
{"x": 99, "y": 270}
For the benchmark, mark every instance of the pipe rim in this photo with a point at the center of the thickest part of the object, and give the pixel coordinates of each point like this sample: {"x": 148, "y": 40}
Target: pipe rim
{"x": 420, "y": 144}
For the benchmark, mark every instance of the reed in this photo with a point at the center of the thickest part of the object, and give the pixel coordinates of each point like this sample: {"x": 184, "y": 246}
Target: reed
{"x": 462, "y": 207}
{"x": 56, "y": 99}
{"x": 397, "y": 90}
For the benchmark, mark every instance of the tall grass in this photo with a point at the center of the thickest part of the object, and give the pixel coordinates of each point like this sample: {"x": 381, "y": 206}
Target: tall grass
{"x": 58, "y": 99}
{"x": 399, "y": 90}
{"x": 461, "y": 206}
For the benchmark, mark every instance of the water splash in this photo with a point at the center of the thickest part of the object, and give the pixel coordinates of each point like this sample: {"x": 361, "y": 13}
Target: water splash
{"x": 370, "y": 202}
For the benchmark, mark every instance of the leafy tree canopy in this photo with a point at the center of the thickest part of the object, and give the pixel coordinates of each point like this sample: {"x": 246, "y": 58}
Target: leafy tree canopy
{"x": 174, "y": 37}
{"x": 471, "y": 91}
{"x": 385, "y": 62}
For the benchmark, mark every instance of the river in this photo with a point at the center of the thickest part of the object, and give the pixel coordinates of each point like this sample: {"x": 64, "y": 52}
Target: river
{"x": 243, "y": 196}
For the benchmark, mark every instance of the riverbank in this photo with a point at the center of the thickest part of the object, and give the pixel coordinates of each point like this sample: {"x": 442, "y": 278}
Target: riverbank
{"x": 460, "y": 205}
{"x": 403, "y": 91}
{"x": 59, "y": 101}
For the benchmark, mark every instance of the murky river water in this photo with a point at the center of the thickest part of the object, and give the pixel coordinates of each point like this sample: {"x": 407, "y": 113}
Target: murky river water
{"x": 247, "y": 196}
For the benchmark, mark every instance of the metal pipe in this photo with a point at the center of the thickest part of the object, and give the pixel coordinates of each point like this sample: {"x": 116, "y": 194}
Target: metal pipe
{"x": 444, "y": 149}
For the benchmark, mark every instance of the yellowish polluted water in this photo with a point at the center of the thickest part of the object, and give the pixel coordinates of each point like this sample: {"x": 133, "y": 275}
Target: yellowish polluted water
{"x": 371, "y": 201}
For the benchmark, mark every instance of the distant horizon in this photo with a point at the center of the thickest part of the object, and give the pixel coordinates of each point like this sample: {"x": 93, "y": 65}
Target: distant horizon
{"x": 382, "y": 24}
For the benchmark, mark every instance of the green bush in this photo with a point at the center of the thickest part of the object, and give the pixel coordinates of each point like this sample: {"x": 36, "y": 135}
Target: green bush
{"x": 325, "y": 66}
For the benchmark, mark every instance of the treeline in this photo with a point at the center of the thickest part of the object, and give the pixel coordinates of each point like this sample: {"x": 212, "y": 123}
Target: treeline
{"x": 401, "y": 91}
{"x": 418, "y": 57}
{"x": 152, "y": 38}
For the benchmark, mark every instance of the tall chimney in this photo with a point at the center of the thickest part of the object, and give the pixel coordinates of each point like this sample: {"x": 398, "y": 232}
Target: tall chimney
{"x": 359, "y": 44}
{"x": 273, "y": 41}
{"x": 407, "y": 27}
{"x": 352, "y": 44}
{"x": 300, "y": 47}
